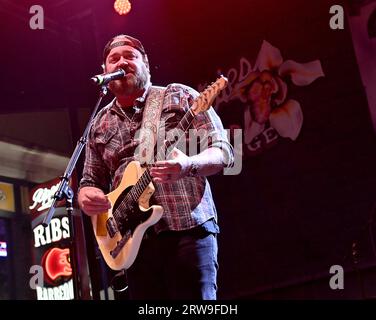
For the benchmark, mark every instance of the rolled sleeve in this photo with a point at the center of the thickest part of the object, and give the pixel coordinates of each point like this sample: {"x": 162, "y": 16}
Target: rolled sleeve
{"x": 216, "y": 134}
{"x": 210, "y": 129}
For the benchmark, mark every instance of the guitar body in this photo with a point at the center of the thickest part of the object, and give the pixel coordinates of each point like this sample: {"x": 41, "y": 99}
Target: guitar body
{"x": 146, "y": 217}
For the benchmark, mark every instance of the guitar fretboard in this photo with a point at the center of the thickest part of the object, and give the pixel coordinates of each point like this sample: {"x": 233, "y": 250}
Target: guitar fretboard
{"x": 175, "y": 134}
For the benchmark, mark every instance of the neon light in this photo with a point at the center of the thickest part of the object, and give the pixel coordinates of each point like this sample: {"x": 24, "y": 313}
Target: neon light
{"x": 43, "y": 197}
{"x": 3, "y": 249}
{"x": 56, "y": 263}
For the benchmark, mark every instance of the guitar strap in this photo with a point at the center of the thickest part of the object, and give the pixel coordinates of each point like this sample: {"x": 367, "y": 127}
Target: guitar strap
{"x": 149, "y": 126}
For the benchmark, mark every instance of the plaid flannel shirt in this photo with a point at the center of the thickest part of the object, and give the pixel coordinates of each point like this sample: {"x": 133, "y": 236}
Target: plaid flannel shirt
{"x": 111, "y": 145}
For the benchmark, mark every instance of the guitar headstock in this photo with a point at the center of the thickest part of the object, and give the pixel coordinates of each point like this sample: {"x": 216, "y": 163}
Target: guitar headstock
{"x": 206, "y": 98}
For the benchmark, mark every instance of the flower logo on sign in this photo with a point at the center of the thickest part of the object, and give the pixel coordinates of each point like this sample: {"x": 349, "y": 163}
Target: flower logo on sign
{"x": 264, "y": 91}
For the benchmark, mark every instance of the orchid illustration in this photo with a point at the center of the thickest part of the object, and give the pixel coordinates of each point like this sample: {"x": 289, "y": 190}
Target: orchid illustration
{"x": 264, "y": 91}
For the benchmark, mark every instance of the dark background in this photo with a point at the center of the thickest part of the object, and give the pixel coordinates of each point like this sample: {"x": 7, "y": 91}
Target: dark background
{"x": 296, "y": 209}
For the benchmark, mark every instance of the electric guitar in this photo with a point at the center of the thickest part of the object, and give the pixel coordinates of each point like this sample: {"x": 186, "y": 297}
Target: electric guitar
{"x": 120, "y": 230}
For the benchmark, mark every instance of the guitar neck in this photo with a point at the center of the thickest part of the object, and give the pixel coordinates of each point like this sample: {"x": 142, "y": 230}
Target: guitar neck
{"x": 175, "y": 135}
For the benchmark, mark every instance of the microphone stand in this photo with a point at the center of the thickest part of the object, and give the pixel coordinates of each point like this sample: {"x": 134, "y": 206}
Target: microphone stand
{"x": 64, "y": 191}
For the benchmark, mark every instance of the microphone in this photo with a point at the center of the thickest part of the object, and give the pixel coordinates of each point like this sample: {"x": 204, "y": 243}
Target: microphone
{"x": 104, "y": 78}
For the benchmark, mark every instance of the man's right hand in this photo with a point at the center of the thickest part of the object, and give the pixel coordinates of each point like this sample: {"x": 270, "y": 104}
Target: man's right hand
{"x": 93, "y": 201}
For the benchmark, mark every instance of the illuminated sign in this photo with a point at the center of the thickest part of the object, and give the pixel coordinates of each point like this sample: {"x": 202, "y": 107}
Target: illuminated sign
{"x": 57, "y": 230}
{"x": 3, "y": 249}
{"x": 56, "y": 263}
{"x": 62, "y": 292}
{"x": 53, "y": 254}
{"x": 42, "y": 198}
{"x": 51, "y": 244}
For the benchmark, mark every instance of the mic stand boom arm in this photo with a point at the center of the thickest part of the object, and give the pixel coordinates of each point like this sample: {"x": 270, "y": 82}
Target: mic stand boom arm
{"x": 64, "y": 191}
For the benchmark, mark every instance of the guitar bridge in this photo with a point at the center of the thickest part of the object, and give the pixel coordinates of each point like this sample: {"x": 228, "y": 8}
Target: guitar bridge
{"x": 111, "y": 226}
{"x": 114, "y": 253}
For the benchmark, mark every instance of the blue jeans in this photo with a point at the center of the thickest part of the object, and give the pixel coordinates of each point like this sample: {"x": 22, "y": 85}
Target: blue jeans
{"x": 175, "y": 265}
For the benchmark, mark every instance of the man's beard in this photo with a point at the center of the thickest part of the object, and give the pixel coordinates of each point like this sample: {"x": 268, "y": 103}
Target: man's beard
{"x": 130, "y": 85}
